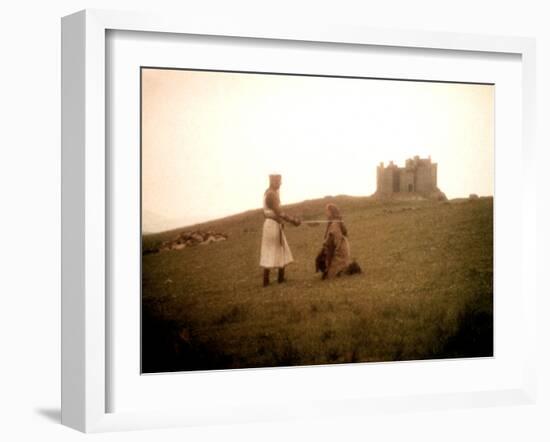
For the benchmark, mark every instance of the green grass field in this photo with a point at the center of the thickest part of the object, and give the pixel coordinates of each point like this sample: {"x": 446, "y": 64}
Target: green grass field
{"x": 426, "y": 290}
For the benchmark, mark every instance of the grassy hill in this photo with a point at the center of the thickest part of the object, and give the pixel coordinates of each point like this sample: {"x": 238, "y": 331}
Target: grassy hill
{"x": 426, "y": 290}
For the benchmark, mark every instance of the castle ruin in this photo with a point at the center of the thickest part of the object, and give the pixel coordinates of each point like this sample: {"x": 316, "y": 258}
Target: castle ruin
{"x": 417, "y": 179}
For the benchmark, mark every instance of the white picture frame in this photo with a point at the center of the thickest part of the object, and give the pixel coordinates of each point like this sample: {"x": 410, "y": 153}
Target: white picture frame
{"x": 85, "y": 203}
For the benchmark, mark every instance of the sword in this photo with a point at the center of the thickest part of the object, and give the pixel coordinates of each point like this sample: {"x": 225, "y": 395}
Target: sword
{"x": 316, "y": 222}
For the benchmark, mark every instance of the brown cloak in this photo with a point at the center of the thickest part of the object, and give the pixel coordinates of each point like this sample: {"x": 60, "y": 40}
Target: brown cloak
{"x": 336, "y": 248}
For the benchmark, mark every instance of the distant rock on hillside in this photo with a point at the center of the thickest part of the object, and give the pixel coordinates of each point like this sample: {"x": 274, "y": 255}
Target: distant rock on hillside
{"x": 189, "y": 239}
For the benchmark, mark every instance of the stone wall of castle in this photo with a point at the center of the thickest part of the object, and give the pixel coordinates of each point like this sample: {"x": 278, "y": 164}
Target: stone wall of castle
{"x": 385, "y": 179}
{"x": 424, "y": 181}
{"x": 406, "y": 180}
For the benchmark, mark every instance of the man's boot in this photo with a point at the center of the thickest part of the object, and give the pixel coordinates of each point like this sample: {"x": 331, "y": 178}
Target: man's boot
{"x": 281, "y": 277}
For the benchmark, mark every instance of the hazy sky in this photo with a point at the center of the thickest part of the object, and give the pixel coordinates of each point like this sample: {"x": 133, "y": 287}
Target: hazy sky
{"x": 209, "y": 139}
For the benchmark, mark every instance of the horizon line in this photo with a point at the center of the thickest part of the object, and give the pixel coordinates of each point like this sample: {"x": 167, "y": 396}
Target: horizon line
{"x": 223, "y": 217}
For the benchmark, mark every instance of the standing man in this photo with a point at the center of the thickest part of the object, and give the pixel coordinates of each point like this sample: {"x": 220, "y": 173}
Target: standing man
{"x": 275, "y": 252}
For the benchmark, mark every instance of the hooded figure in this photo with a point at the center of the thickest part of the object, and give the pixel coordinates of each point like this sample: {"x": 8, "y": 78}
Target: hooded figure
{"x": 275, "y": 252}
{"x": 334, "y": 258}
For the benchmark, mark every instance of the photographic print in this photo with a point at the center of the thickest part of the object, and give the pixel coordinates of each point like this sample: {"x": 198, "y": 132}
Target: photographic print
{"x": 295, "y": 220}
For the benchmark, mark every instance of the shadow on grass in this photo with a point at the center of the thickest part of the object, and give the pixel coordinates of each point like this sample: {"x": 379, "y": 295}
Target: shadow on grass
{"x": 168, "y": 346}
{"x": 474, "y": 336}
{"x": 171, "y": 345}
